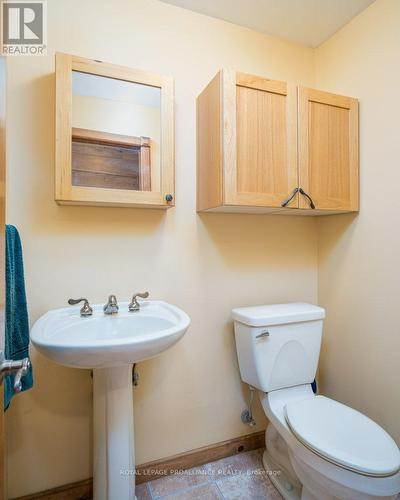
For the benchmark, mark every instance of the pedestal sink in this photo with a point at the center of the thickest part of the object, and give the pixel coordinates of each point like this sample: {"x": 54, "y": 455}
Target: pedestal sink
{"x": 110, "y": 344}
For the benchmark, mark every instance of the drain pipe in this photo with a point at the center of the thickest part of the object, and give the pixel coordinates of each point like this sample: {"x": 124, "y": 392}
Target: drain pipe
{"x": 135, "y": 376}
{"x": 247, "y": 414}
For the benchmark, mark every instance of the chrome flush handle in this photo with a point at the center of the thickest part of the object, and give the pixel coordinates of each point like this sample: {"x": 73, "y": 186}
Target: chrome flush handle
{"x": 263, "y": 334}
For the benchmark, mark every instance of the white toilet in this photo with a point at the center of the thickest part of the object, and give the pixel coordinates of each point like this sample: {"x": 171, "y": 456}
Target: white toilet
{"x": 316, "y": 448}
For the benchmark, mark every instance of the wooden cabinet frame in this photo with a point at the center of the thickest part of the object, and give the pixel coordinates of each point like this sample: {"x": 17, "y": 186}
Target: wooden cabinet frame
{"x": 65, "y": 191}
{"x": 231, "y": 80}
{"x": 265, "y": 146}
{"x": 347, "y": 198}
{"x": 217, "y": 145}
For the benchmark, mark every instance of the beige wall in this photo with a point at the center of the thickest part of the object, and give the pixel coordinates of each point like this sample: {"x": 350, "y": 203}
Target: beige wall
{"x": 192, "y": 395}
{"x": 115, "y": 117}
{"x": 359, "y": 257}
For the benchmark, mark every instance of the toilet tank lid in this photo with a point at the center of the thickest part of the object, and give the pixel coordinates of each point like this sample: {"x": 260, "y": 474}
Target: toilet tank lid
{"x": 277, "y": 314}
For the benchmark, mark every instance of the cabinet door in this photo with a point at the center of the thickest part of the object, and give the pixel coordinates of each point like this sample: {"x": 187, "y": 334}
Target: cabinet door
{"x": 260, "y": 141}
{"x": 328, "y": 150}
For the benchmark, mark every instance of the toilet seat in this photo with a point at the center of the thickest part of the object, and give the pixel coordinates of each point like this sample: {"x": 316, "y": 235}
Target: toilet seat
{"x": 310, "y": 466}
{"x": 343, "y": 436}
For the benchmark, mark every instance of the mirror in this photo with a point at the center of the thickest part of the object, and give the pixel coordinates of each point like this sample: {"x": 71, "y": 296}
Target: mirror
{"x": 116, "y": 133}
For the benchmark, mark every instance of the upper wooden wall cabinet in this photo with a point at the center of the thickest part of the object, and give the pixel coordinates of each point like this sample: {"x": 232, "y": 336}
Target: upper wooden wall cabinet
{"x": 114, "y": 135}
{"x": 268, "y": 146}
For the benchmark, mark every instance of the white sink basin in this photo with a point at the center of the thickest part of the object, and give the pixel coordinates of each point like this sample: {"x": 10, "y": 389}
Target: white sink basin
{"x": 101, "y": 341}
{"x": 110, "y": 345}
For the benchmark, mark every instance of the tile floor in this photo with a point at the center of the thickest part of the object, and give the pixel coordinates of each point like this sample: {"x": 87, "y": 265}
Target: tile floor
{"x": 234, "y": 478}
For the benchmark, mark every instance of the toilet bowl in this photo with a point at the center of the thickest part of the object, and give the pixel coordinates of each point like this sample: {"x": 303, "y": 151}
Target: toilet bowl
{"x": 316, "y": 448}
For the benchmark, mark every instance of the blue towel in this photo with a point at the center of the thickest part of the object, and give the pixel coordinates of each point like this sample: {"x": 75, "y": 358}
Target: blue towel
{"x": 17, "y": 325}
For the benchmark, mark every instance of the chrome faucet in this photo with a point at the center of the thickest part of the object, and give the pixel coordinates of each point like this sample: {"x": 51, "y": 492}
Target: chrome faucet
{"x": 86, "y": 310}
{"x": 112, "y": 305}
{"x": 134, "y": 306}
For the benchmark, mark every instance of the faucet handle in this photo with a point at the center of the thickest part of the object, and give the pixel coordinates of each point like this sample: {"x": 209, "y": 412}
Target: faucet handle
{"x": 86, "y": 310}
{"x": 134, "y": 305}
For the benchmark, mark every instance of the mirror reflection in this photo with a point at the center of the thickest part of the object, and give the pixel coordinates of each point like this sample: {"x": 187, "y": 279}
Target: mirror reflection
{"x": 116, "y": 133}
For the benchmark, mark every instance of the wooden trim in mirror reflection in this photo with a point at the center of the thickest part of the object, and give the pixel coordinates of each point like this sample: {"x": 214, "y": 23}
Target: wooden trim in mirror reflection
{"x": 98, "y": 137}
{"x": 157, "y": 183}
{"x": 129, "y": 167}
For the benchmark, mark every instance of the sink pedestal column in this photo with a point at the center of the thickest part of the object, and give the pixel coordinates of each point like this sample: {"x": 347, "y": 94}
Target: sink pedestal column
{"x": 114, "y": 458}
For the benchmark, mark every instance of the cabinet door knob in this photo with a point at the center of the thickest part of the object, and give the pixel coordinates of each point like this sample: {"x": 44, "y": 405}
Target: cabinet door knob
{"x": 168, "y": 197}
{"x": 290, "y": 198}
{"x": 301, "y": 191}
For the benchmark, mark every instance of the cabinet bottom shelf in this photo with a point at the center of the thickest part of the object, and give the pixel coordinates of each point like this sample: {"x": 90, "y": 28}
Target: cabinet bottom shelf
{"x": 234, "y": 209}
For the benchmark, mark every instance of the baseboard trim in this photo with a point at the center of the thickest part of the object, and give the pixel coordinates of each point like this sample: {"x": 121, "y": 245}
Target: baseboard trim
{"x": 83, "y": 490}
{"x": 200, "y": 456}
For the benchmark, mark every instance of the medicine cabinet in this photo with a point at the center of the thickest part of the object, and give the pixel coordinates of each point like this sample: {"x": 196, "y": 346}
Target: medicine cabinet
{"x": 114, "y": 135}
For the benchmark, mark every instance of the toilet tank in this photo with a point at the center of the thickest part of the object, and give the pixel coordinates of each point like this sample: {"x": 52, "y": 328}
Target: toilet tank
{"x": 278, "y": 345}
